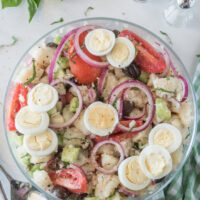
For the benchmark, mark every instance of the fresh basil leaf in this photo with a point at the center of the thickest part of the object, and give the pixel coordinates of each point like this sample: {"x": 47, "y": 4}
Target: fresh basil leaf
{"x": 167, "y": 36}
{"x": 58, "y": 21}
{"x": 32, "y": 8}
{"x": 87, "y": 10}
{"x": 10, "y": 3}
{"x": 11, "y": 44}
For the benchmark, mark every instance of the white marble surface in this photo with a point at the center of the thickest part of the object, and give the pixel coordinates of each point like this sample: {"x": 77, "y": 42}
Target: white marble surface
{"x": 14, "y": 21}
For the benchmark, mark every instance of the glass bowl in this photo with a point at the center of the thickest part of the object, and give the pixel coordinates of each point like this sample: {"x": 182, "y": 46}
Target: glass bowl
{"x": 110, "y": 24}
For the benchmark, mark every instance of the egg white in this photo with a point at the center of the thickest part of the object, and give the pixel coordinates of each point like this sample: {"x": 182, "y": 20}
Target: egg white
{"x": 175, "y": 132}
{"x": 95, "y": 130}
{"x": 34, "y": 130}
{"x": 91, "y": 50}
{"x": 155, "y": 149}
{"x": 45, "y": 152}
{"x": 132, "y": 53}
{"x": 43, "y": 108}
{"x": 124, "y": 180}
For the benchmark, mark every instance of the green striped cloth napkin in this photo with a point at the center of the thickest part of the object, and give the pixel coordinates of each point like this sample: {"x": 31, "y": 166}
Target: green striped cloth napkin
{"x": 186, "y": 185}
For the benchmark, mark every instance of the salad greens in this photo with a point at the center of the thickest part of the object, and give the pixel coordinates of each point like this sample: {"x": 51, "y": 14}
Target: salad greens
{"x": 58, "y": 21}
{"x": 32, "y": 6}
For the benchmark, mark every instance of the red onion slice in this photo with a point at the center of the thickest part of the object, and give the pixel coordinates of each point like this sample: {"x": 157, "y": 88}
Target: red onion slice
{"x": 92, "y": 95}
{"x": 66, "y": 54}
{"x": 127, "y": 192}
{"x": 80, "y": 52}
{"x": 57, "y": 53}
{"x": 102, "y": 80}
{"x": 63, "y": 99}
{"x": 95, "y": 149}
{"x": 78, "y": 110}
{"x": 151, "y": 108}
{"x": 186, "y": 89}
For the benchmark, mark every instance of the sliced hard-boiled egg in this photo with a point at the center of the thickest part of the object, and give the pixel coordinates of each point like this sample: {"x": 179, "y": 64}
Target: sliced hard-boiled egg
{"x": 42, "y": 97}
{"x": 122, "y": 54}
{"x": 30, "y": 122}
{"x": 100, "y": 118}
{"x": 100, "y": 42}
{"x": 155, "y": 161}
{"x": 167, "y": 136}
{"x": 41, "y": 145}
{"x": 130, "y": 174}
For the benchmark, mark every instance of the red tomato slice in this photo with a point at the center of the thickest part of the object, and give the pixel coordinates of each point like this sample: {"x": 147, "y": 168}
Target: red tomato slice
{"x": 16, "y": 104}
{"x": 147, "y": 58}
{"x": 119, "y": 136}
{"x": 83, "y": 72}
{"x": 71, "y": 179}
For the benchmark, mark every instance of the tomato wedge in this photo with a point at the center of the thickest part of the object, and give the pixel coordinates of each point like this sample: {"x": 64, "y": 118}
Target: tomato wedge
{"x": 18, "y": 101}
{"x": 71, "y": 179}
{"x": 148, "y": 59}
{"x": 116, "y": 133}
{"x": 83, "y": 72}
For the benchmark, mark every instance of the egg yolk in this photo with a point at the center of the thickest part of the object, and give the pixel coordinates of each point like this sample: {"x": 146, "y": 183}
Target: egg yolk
{"x": 163, "y": 137}
{"x": 120, "y": 53}
{"x": 30, "y": 119}
{"x": 100, "y": 41}
{"x": 155, "y": 164}
{"x": 42, "y": 96}
{"x": 40, "y": 142}
{"x": 101, "y": 117}
{"x": 134, "y": 172}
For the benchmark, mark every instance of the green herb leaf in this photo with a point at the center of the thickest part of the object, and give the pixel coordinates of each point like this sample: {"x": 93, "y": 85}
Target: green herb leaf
{"x": 163, "y": 90}
{"x": 58, "y": 21}
{"x": 32, "y": 8}
{"x": 198, "y": 56}
{"x": 10, "y": 3}
{"x": 11, "y": 44}
{"x": 167, "y": 36}
{"x": 34, "y": 75}
{"x": 88, "y": 10}
{"x": 187, "y": 136}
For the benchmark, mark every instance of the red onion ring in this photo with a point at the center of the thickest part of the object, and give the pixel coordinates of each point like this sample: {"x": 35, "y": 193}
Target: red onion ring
{"x": 92, "y": 95}
{"x": 151, "y": 108}
{"x": 102, "y": 80}
{"x": 79, "y": 51}
{"x": 57, "y": 53}
{"x": 186, "y": 89}
{"x": 78, "y": 110}
{"x": 127, "y": 192}
{"x": 66, "y": 54}
{"x": 77, "y": 167}
{"x": 95, "y": 149}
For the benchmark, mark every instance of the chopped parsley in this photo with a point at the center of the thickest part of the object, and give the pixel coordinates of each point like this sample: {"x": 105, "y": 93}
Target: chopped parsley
{"x": 163, "y": 90}
{"x": 167, "y": 36}
{"x": 14, "y": 41}
{"x": 34, "y": 75}
{"x": 58, "y": 21}
{"x": 88, "y": 10}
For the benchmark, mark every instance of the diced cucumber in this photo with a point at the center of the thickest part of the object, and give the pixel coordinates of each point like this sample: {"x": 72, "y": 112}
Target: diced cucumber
{"x": 63, "y": 62}
{"x": 60, "y": 73}
{"x": 162, "y": 111}
{"x": 91, "y": 198}
{"x": 74, "y": 103}
{"x": 60, "y": 140}
{"x": 57, "y": 39}
{"x": 26, "y": 159}
{"x": 18, "y": 139}
{"x": 144, "y": 76}
{"x": 70, "y": 154}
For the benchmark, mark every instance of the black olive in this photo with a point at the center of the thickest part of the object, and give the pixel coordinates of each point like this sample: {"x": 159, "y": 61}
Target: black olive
{"x": 52, "y": 45}
{"x": 60, "y": 192}
{"x": 18, "y": 133}
{"x": 128, "y": 107}
{"x": 116, "y": 32}
{"x": 132, "y": 70}
{"x": 76, "y": 197}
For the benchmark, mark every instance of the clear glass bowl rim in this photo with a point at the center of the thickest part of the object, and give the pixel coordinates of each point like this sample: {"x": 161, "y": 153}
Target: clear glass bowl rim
{"x": 149, "y": 32}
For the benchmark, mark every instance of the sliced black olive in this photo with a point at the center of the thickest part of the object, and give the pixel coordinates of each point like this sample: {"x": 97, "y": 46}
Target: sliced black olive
{"x": 132, "y": 70}
{"x": 60, "y": 192}
{"x": 116, "y": 32}
{"x": 52, "y": 45}
{"x": 128, "y": 107}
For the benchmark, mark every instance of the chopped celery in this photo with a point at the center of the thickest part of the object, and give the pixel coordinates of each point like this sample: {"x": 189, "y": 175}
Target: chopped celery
{"x": 63, "y": 62}
{"x": 144, "y": 76}
{"x": 162, "y": 111}
{"x": 74, "y": 103}
{"x": 57, "y": 40}
{"x": 70, "y": 154}
{"x": 18, "y": 139}
{"x": 35, "y": 168}
{"x": 60, "y": 73}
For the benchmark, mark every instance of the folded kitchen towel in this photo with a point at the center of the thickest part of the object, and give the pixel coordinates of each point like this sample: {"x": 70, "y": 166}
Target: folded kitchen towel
{"x": 186, "y": 185}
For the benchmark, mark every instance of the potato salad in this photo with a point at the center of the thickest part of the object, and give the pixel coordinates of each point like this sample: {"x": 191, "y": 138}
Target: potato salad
{"x": 99, "y": 114}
